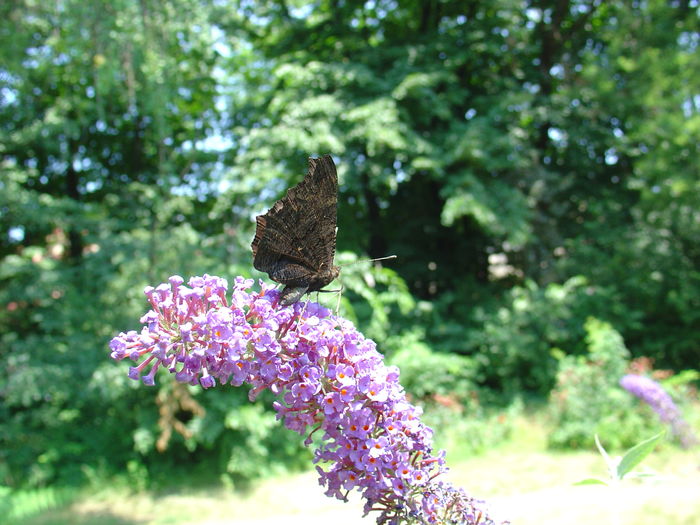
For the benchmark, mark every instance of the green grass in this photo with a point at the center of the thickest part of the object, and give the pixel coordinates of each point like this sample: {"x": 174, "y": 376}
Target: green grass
{"x": 527, "y": 483}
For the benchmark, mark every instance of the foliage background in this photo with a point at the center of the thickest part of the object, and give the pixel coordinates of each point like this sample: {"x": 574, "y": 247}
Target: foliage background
{"x": 533, "y": 164}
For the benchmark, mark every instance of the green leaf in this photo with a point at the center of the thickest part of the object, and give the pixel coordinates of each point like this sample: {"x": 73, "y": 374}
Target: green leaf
{"x": 608, "y": 461}
{"x": 591, "y": 481}
{"x": 636, "y": 454}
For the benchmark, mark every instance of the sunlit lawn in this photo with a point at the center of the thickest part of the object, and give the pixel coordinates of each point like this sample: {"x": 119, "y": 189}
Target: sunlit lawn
{"x": 528, "y": 484}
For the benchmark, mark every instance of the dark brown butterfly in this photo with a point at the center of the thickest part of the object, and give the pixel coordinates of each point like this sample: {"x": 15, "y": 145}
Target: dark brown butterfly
{"x": 295, "y": 240}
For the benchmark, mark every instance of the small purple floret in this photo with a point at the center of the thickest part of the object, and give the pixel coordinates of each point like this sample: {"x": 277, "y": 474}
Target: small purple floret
{"x": 330, "y": 381}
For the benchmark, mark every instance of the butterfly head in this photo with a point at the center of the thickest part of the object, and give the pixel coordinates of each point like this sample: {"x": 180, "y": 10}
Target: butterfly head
{"x": 324, "y": 278}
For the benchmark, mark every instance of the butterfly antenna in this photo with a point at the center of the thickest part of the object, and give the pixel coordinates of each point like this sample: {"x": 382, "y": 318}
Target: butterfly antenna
{"x": 369, "y": 260}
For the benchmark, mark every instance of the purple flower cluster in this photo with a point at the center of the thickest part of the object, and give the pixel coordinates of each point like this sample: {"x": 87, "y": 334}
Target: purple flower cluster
{"x": 654, "y": 395}
{"x": 330, "y": 381}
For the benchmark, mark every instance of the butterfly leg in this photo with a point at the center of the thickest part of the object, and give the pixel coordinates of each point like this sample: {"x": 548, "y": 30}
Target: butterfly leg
{"x": 337, "y": 305}
{"x": 303, "y": 309}
{"x": 339, "y": 292}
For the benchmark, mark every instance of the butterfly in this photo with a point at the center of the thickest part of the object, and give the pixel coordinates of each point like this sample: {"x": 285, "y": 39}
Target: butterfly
{"x": 295, "y": 240}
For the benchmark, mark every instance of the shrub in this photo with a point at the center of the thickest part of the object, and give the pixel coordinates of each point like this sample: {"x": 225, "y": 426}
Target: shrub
{"x": 445, "y": 386}
{"x": 587, "y": 399}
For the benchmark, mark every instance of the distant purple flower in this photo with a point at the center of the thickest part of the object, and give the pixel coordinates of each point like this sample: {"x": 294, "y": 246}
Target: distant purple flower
{"x": 653, "y": 394}
{"x": 329, "y": 380}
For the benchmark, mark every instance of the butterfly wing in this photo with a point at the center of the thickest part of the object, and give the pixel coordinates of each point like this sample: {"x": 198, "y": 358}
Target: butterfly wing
{"x": 295, "y": 240}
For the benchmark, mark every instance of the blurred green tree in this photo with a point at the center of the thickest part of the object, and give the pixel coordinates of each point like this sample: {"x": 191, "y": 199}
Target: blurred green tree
{"x": 492, "y": 145}
{"x": 105, "y": 112}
